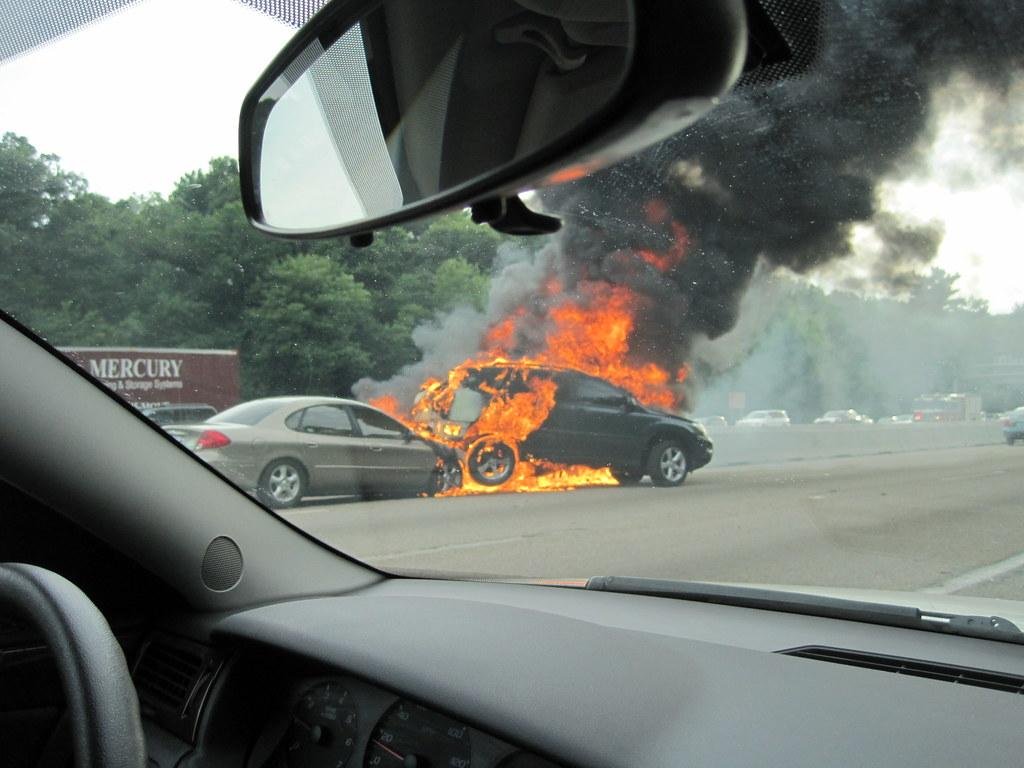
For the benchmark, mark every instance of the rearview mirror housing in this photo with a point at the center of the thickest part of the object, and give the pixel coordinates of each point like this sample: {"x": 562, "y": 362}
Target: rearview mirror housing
{"x": 383, "y": 111}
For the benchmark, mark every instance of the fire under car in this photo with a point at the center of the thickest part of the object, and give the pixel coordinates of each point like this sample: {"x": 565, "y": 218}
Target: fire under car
{"x": 501, "y": 414}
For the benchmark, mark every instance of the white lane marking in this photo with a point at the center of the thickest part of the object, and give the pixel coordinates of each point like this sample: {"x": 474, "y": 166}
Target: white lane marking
{"x": 978, "y": 576}
{"x": 443, "y": 548}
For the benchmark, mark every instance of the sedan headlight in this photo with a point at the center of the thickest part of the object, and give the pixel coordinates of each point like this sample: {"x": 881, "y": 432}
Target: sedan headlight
{"x": 451, "y": 429}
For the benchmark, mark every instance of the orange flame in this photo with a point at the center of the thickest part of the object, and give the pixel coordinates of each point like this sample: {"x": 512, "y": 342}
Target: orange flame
{"x": 592, "y": 335}
{"x": 515, "y": 417}
{"x": 388, "y": 404}
{"x": 540, "y": 476}
{"x": 676, "y": 253}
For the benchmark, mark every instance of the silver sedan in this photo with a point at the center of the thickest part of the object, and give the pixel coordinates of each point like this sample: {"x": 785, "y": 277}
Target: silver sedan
{"x": 286, "y": 448}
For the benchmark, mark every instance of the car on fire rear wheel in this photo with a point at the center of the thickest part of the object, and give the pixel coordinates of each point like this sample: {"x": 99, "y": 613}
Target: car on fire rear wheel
{"x": 282, "y": 484}
{"x": 666, "y": 463}
{"x": 491, "y": 462}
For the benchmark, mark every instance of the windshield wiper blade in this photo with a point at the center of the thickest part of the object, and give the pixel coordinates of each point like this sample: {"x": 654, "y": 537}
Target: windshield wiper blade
{"x": 987, "y": 627}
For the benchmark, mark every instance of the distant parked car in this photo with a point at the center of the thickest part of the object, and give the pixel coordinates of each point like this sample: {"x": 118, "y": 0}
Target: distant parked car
{"x": 764, "y": 419}
{"x": 180, "y": 413}
{"x": 712, "y": 422}
{"x": 1013, "y": 425}
{"x": 849, "y": 416}
{"x": 286, "y": 448}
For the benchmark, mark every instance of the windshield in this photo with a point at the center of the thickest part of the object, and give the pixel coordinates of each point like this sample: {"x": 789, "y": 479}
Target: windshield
{"x": 837, "y": 241}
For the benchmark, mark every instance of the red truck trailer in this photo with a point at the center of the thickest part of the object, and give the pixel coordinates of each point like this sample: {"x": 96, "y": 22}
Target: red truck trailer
{"x": 148, "y": 377}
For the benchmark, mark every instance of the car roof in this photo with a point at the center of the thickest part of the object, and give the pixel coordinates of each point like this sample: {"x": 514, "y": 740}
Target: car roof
{"x": 530, "y": 366}
{"x": 305, "y": 400}
{"x": 168, "y": 406}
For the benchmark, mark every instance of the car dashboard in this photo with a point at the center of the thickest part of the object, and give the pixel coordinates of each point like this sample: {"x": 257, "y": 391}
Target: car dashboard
{"x": 434, "y": 673}
{"x": 264, "y": 709}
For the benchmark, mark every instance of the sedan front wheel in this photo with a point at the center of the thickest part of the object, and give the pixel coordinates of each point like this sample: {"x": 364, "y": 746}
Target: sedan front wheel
{"x": 447, "y": 477}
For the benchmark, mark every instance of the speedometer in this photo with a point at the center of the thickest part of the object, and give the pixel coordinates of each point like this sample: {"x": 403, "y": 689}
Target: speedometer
{"x": 322, "y": 733}
{"x": 412, "y": 736}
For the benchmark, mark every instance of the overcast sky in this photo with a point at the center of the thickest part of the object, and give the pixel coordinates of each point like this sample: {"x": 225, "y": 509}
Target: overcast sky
{"x": 145, "y": 95}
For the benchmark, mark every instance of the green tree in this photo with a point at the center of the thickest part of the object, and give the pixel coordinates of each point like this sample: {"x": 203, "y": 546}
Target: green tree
{"x": 30, "y": 183}
{"x": 456, "y": 236}
{"x": 459, "y": 283}
{"x": 205, "y": 191}
{"x": 311, "y": 329}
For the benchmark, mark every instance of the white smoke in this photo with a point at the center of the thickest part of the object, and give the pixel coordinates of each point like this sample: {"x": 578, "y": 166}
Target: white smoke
{"x": 451, "y": 338}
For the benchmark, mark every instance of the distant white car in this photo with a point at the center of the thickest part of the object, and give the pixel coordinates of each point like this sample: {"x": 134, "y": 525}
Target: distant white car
{"x": 764, "y": 419}
{"x": 849, "y": 416}
{"x": 902, "y": 418}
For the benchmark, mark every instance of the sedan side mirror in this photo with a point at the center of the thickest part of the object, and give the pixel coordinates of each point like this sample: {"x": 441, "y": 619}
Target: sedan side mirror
{"x": 381, "y": 111}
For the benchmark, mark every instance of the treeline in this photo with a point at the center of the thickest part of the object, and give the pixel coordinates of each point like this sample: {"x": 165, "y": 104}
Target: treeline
{"x": 811, "y": 351}
{"x": 315, "y": 316}
{"x": 189, "y": 271}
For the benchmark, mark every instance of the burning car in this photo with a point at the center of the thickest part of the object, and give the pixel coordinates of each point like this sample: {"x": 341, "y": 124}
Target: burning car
{"x": 504, "y": 413}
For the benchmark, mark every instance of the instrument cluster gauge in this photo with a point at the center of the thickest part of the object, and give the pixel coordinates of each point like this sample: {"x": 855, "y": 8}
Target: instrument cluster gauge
{"x": 322, "y": 732}
{"x": 412, "y": 736}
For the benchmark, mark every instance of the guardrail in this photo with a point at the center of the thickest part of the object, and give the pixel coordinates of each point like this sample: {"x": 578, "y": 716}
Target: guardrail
{"x": 763, "y": 445}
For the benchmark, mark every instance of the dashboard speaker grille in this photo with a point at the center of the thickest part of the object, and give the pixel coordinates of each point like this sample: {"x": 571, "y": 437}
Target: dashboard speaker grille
{"x": 949, "y": 673}
{"x": 222, "y": 564}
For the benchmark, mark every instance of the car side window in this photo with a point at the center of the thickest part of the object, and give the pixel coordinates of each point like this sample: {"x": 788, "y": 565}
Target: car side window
{"x": 374, "y": 424}
{"x": 326, "y": 420}
{"x": 596, "y": 391}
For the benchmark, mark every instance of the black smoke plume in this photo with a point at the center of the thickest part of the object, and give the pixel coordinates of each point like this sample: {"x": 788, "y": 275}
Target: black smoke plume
{"x": 780, "y": 171}
{"x": 783, "y": 170}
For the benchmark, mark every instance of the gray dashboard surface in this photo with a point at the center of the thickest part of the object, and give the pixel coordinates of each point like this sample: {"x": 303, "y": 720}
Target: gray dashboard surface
{"x": 611, "y": 680}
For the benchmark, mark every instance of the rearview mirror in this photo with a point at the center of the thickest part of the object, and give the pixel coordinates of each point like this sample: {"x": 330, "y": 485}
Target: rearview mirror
{"x": 380, "y": 111}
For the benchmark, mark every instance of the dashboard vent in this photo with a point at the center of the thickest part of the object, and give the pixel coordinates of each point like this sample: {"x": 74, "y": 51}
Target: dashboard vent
{"x": 949, "y": 673}
{"x": 172, "y": 677}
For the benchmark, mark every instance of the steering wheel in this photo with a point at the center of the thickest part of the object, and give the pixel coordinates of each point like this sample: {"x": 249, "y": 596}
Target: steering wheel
{"x": 103, "y": 708}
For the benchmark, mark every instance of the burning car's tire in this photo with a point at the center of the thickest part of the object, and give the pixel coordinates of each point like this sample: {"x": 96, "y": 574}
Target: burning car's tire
{"x": 282, "y": 484}
{"x": 666, "y": 463}
{"x": 491, "y": 462}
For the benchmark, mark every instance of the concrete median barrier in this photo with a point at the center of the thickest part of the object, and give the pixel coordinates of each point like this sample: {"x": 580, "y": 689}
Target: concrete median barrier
{"x": 764, "y": 445}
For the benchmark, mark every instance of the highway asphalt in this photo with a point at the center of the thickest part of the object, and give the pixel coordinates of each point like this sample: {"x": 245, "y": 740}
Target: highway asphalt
{"x": 948, "y": 520}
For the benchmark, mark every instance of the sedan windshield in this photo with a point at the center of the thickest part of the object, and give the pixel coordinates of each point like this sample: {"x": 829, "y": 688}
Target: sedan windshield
{"x": 836, "y": 241}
